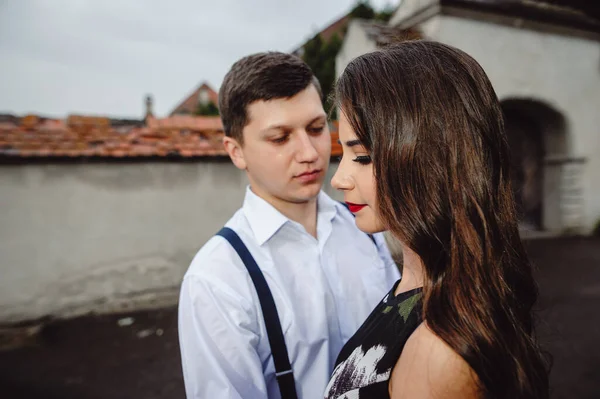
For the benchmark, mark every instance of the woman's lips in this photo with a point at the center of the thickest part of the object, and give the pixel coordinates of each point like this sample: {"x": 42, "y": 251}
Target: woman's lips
{"x": 354, "y": 208}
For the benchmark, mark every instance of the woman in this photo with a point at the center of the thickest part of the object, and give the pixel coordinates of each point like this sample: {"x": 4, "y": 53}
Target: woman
{"x": 425, "y": 156}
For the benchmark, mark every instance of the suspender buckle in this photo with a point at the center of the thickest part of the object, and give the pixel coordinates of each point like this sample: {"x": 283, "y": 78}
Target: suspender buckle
{"x": 282, "y": 373}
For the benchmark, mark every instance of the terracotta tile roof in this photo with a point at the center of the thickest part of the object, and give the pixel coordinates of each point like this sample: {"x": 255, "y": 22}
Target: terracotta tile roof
{"x": 336, "y": 27}
{"x": 190, "y": 103}
{"x": 186, "y": 122}
{"x": 82, "y": 136}
{"x": 179, "y": 137}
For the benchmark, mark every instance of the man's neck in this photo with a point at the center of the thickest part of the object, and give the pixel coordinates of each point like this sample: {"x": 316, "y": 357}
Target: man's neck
{"x": 304, "y": 213}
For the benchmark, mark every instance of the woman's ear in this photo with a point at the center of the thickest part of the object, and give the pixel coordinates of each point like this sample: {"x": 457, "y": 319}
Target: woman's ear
{"x": 235, "y": 151}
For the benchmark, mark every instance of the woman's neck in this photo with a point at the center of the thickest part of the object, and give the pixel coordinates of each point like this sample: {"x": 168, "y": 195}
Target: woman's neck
{"x": 412, "y": 271}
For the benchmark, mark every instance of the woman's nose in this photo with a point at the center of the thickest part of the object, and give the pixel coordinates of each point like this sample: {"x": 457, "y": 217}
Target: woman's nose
{"x": 341, "y": 180}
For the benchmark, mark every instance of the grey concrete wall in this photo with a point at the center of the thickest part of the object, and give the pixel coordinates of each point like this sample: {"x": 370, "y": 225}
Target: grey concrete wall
{"x": 76, "y": 238}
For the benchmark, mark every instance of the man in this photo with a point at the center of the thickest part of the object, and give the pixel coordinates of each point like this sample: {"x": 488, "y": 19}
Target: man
{"x": 324, "y": 275}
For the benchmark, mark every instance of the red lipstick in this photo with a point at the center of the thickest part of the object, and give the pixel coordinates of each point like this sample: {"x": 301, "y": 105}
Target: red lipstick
{"x": 354, "y": 208}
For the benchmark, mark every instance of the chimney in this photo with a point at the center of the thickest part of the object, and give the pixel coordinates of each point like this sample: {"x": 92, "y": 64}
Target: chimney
{"x": 149, "y": 106}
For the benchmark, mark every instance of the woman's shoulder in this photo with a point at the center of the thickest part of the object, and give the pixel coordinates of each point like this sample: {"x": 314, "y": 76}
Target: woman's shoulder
{"x": 429, "y": 368}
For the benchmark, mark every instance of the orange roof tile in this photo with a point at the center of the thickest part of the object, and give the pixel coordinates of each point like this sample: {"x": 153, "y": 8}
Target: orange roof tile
{"x": 195, "y": 123}
{"x": 81, "y": 136}
{"x": 190, "y": 103}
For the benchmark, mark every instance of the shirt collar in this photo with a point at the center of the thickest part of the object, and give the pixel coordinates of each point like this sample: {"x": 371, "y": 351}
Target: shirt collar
{"x": 265, "y": 220}
{"x": 326, "y": 207}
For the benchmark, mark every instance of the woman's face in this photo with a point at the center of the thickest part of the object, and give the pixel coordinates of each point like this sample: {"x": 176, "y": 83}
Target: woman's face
{"x": 355, "y": 178}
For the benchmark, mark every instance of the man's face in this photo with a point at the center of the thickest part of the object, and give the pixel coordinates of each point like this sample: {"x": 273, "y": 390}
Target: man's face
{"x": 286, "y": 147}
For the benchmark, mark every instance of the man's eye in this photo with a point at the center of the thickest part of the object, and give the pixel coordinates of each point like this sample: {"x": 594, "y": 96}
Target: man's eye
{"x": 279, "y": 140}
{"x": 316, "y": 130}
{"x": 363, "y": 159}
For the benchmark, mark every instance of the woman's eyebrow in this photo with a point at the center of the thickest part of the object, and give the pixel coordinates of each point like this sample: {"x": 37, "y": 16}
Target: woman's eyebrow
{"x": 352, "y": 143}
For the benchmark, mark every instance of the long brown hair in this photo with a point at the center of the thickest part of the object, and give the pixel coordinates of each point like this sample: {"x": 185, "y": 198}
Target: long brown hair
{"x": 431, "y": 120}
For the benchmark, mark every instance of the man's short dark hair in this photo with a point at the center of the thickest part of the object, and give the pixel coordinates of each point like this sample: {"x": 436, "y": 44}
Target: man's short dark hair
{"x": 263, "y": 76}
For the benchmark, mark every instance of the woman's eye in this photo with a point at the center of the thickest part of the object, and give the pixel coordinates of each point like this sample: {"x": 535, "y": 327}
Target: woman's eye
{"x": 363, "y": 159}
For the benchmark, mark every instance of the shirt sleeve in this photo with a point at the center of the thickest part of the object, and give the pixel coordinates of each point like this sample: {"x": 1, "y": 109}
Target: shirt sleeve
{"x": 218, "y": 340}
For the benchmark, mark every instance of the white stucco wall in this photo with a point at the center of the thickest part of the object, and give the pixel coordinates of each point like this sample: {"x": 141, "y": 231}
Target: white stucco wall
{"x": 76, "y": 238}
{"x": 410, "y": 8}
{"x": 356, "y": 42}
{"x": 558, "y": 70}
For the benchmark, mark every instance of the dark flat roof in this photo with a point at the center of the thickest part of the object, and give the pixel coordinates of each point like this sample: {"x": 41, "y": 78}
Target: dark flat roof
{"x": 579, "y": 15}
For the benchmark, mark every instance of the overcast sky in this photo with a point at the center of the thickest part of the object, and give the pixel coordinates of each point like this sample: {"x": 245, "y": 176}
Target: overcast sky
{"x": 101, "y": 57}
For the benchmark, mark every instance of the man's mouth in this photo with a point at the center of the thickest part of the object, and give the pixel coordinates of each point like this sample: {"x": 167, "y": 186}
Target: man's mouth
{"x": 310, "y": 176}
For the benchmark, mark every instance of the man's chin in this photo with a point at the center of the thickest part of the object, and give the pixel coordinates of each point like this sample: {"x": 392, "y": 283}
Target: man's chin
{"x": 307, "y": 193}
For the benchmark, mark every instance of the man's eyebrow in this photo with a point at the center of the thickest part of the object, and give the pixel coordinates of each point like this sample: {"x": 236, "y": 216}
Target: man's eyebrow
{"x": 320, "y": 118}
{"x": 275, "y": 127}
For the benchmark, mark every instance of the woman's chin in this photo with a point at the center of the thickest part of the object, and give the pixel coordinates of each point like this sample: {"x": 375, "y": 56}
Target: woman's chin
{"x": 369, "y": 226}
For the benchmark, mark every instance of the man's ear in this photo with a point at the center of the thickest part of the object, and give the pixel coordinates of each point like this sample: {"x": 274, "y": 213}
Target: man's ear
{"x": 234, "y": 149}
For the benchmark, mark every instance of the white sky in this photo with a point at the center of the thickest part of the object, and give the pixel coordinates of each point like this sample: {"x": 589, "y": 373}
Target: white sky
{"x": 101, "y": 57}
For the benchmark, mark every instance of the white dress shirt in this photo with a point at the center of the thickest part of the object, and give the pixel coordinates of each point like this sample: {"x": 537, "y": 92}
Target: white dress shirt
{"x": 323, "y": 289}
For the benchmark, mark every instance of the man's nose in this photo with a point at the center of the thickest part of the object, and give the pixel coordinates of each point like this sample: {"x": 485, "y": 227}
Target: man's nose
{"x": 307, "y": 151}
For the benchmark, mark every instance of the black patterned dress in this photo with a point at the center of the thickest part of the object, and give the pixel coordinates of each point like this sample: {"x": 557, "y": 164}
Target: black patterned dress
{"x": 364, "y": 365}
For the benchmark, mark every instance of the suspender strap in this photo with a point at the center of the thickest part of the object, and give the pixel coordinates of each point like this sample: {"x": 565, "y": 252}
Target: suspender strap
{"x": 283, "y": 369}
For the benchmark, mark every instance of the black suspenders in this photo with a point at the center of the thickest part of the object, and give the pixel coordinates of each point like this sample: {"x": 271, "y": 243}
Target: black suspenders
{"x": 283, "y": 369}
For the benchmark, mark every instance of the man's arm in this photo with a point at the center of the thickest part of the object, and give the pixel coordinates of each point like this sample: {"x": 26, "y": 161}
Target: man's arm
{"x": 218, "y": 340}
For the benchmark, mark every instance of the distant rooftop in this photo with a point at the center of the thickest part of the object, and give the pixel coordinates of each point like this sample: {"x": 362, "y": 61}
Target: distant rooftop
{"x": 580, "y": 15}
{"x": 178, "y": 137}
{"x": 34, "y": 137}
